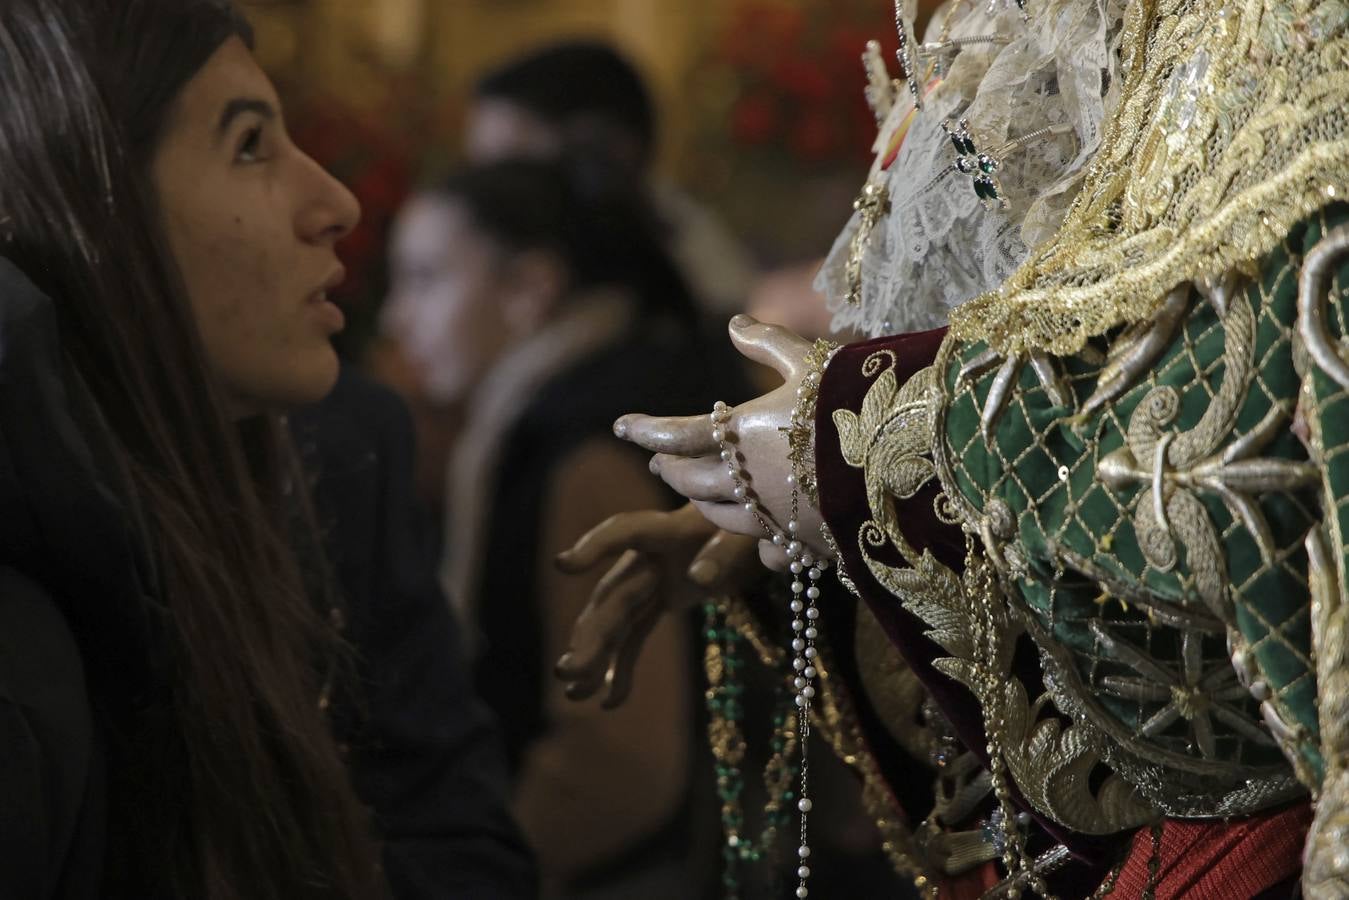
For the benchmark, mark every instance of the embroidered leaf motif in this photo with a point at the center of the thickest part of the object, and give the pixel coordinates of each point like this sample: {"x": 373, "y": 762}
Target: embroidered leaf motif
{"x": 858, "y": 432}
{"x": 1051, "y": 762}
{"x": 906, "y": 476}
{"x": 851, "y": 441}
{"x": 890, "y": 438}
{"x": 932, "y": 593}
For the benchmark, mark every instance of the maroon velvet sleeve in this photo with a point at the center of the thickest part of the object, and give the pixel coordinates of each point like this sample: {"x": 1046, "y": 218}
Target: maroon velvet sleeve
{"x": 843, "y": 503}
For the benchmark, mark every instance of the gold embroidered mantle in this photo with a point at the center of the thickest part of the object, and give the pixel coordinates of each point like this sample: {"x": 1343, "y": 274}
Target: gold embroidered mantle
{"x": 1231, "y": 128}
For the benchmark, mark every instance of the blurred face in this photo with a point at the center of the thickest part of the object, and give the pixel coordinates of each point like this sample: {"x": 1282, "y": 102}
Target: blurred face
{"x": 451, "y": 299}
{"x": 252, "y": 223}
{"x": 498, "y": 129}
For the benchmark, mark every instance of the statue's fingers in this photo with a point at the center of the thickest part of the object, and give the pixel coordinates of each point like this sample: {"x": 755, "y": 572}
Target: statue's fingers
{"x": 584, "y": 676}
{"x": 725, "y": 563}
{"x": 623, "y": 587}
{"x": 773, "y": 556}
{"x": 622, "y": 669}
{"x": 678, "y": 435}
{"x": 700, "y": 478}
{"x": 732, "y": 517}
{"x": 580, "y": 682}
{"x": 601, "y": 623}
{"x": 624, "y": 531}
{"x": 771, "y": 345}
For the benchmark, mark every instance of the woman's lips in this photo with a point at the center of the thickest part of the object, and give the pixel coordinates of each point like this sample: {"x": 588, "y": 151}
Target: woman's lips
{"x": 328, "y": 313}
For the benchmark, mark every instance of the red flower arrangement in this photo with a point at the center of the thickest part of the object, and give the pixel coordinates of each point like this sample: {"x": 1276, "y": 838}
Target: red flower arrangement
{"x": 783, "y": 132}
{"x": 797, "y": 78}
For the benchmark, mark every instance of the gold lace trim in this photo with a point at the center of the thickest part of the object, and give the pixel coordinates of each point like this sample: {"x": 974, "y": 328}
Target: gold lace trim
{"x": 1231, "y": 128}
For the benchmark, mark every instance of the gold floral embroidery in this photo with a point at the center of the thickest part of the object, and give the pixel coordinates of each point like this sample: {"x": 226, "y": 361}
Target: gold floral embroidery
{"x": 1311, "y": 312}
{"x": 1049, "y": 762}
{"x": 892, "y": 436}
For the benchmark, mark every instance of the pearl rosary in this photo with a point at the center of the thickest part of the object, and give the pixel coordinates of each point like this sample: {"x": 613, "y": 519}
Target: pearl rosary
{"x": 805, "y": 613}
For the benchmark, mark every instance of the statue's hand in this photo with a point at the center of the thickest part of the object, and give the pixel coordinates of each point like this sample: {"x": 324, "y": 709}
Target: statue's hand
{"x": 689, "y": 457}
{"x": 666, "y": 562}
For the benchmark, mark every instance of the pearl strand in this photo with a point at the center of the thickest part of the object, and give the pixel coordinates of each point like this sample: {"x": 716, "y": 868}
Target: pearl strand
{"x": 805, "y": 627}
{"x": 803, "y": 607}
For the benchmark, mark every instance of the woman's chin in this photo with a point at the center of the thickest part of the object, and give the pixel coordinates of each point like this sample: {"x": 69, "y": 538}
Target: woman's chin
{"x": 304, "y": 381}
{"x": 317, "y": 379}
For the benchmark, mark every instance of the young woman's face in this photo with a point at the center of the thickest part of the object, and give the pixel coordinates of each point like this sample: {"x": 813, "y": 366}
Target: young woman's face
{"x": 252, "y": 223}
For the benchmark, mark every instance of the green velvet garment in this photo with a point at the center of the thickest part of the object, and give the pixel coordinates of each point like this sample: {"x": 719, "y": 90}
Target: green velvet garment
{"x": 1151, "y": 541}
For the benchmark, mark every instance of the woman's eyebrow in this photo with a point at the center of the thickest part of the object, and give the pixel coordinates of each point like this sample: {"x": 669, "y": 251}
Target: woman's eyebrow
{"x": 238, "y": 106}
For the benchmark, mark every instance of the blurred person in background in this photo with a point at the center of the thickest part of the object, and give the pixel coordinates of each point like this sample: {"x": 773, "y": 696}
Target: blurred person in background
{"x": 582, "y": 99}
{"x": 544, "y": 297}
{"x": 584, "y": 96}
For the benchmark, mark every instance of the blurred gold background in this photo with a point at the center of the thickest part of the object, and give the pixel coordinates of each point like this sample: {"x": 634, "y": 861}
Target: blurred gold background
{"x": 359, "y": 48}
{"x": 761, "y": 114}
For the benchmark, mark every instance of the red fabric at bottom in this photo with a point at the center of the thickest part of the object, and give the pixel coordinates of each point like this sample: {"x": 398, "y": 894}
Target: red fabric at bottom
{"x": 1211, "y": 860}
{"x": 970, "y": 886}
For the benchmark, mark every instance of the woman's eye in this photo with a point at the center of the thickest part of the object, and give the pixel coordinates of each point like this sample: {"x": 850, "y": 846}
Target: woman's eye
{"x": 250, "y": 146}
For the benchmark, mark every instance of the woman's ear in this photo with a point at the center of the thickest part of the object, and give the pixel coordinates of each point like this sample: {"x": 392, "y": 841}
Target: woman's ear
{"x": 538, "y": 282}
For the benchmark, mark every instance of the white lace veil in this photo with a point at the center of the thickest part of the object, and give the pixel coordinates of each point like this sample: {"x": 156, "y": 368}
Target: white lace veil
{"x": 939, "y": 246}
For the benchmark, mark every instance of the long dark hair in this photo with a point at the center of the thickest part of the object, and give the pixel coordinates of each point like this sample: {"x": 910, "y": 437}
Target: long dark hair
{"x": 580, "y": 209}
{"x": 254, "y": 800}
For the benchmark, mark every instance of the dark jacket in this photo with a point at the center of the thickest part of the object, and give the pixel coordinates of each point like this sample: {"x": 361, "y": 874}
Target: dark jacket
{"x": 66, "y": 558}
{"x": 427, "y": 757}
{"x": 76, "y": 665}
